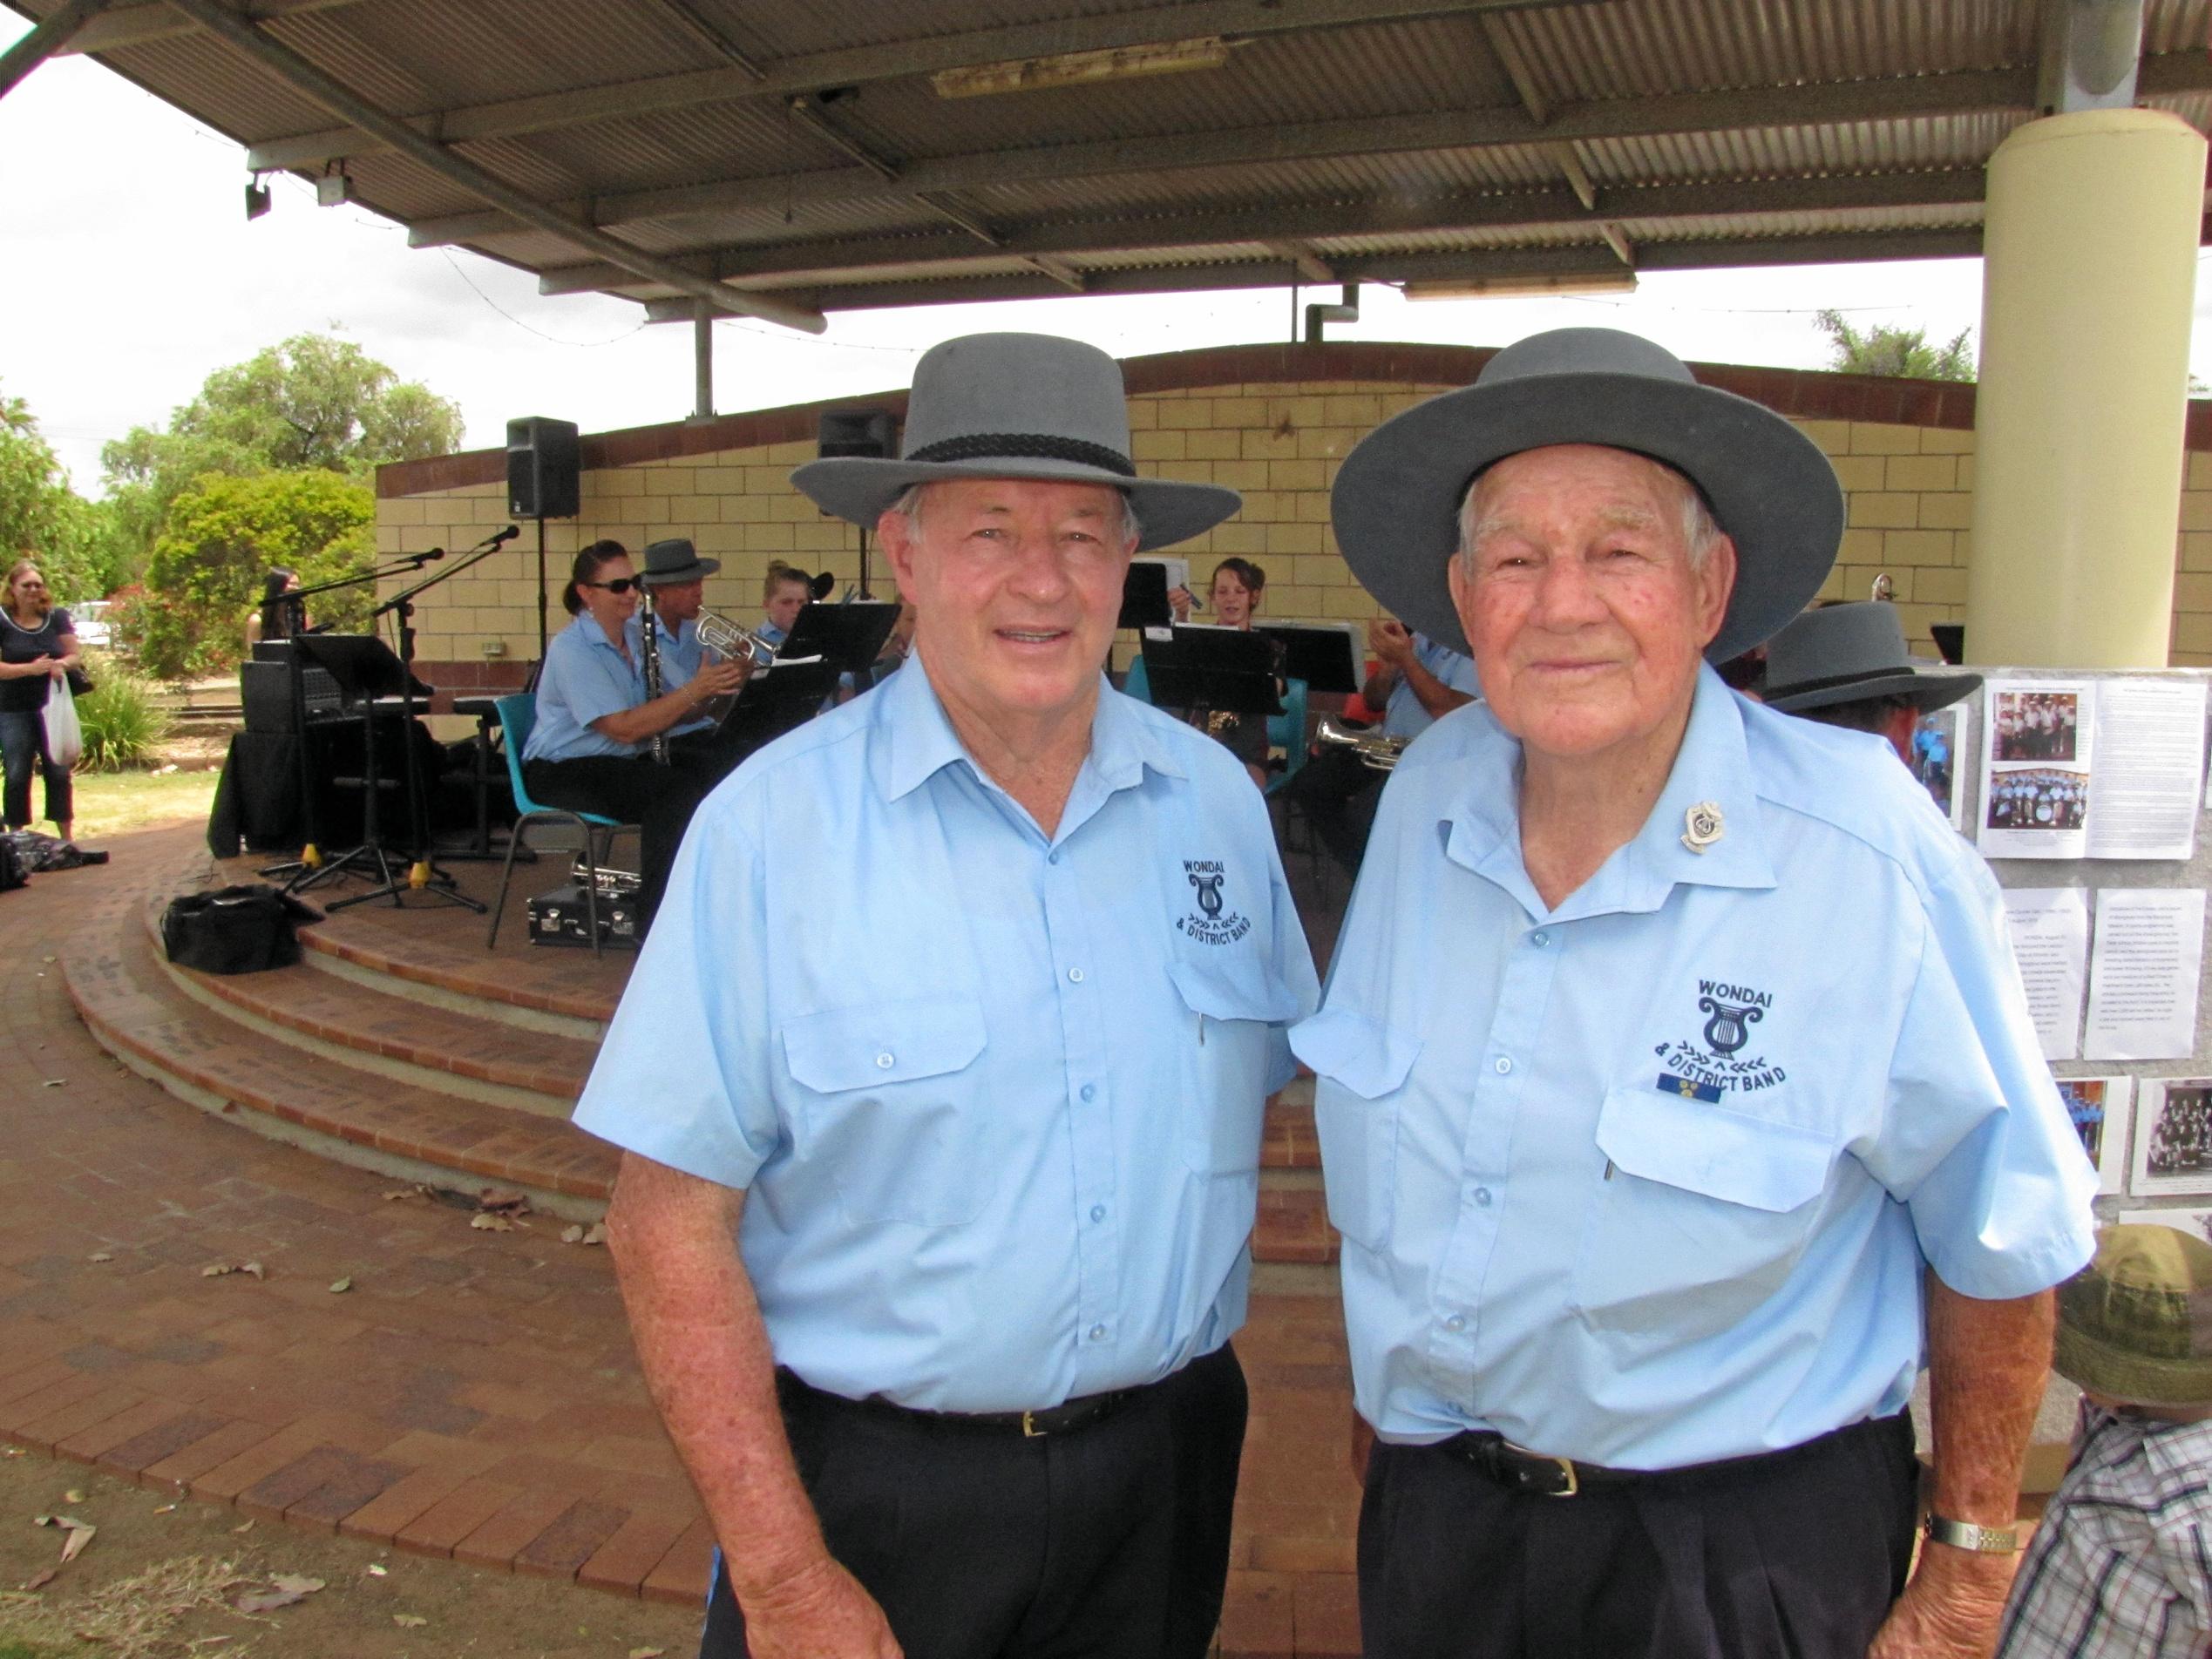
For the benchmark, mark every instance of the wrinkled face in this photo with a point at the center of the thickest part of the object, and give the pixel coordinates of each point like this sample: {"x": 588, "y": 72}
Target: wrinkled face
{"x": 609, "y": 610}
{"x": 1585, "y": 615}
{"x": 678, "y": 602}
{"x": 788, "y": 600}
{"x": 1016, "y": 585}
{"x": 1232, "y": 600}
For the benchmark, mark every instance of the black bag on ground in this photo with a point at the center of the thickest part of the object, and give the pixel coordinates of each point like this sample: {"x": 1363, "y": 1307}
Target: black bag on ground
{"x": 234, "y": 929}
{"x": 12, "y": 874}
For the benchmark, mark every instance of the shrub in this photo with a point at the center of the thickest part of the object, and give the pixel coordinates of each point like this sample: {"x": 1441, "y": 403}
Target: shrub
{"x": 123, "y": 722}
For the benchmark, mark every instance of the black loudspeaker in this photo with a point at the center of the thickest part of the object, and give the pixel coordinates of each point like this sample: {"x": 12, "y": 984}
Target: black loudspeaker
{"x": 871, "y": 432}
{"x": 543, "y": 479}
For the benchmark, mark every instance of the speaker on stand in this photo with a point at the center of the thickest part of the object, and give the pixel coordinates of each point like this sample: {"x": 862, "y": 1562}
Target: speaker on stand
{"x": 545, "y": 480}
{"x": 872, "y": 433}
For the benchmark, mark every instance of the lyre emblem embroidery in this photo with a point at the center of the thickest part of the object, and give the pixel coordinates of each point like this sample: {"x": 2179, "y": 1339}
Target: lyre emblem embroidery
{"x": 1728, "y": 1029}
{"x": 1209, "y": 892}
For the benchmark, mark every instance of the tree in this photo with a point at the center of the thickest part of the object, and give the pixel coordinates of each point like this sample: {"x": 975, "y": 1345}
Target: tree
{"x": 313, "y": 402}
{"x": 220, "y": 539}
{"x": 42, "y": 518}
{"x": 1899, "y": 353}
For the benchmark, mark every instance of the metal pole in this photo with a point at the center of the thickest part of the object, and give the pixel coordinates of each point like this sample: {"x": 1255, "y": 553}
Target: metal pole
{"x": 303, "y": 77}
{"x": 52, "y": 33}
{"x": 702, "y": 360}
{"x": 542, "y": 593}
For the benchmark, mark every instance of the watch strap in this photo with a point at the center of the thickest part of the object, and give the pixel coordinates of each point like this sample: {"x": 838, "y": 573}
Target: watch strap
{"x": 1964, "y": 1534}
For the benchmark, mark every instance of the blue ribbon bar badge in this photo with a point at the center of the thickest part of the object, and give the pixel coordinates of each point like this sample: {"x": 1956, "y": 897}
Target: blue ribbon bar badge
{"x": 1689, "y": 1088}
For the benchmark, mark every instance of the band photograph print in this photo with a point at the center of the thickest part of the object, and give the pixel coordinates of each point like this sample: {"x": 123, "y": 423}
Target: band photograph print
{"x": 1936, "y": 741}
{"x": 2172, "y": 1137}
{"x": 2097, "y": 1106}
{"x": 2036, "y": 726}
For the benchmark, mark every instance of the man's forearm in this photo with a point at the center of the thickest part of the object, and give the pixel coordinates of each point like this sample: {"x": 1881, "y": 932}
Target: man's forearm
{"x": 1987, "y": 1363}
{"x": 1432, "y": 694}
{"x": 705, "y": 1354}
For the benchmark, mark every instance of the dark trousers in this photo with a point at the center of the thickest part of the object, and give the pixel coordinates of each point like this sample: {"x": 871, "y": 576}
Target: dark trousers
{"x": 1108, "y": 1542}
{"x": 23, "y": 751}
{"x": 1339, "y": 792}
{"x": 659, "y": 799}
{"x": 1794, "y": 1557}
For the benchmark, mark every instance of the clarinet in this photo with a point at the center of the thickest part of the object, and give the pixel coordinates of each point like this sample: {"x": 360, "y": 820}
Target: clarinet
{"x": 649, "y": 628}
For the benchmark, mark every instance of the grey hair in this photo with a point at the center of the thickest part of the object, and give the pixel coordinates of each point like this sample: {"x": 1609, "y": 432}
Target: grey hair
{"x": 909, "y": 507}
{"x": 1700, "y": 531}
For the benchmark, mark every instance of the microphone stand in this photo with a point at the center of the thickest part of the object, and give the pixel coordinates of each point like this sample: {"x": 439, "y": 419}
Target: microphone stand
{"x": 425, "y": 876}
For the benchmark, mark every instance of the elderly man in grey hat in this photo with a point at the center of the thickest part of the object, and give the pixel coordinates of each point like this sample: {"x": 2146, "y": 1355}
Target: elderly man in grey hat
{"x": 1665, "y": 1053}
{"x": 940, "y": 1084}
{"x": 1845, "y": 665}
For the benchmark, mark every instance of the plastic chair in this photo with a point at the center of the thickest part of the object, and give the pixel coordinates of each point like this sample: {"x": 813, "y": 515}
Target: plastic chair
{"x": 518, "y": 717}
{"x": 1137, "y": 683}
{"x": 1287, "y": 731}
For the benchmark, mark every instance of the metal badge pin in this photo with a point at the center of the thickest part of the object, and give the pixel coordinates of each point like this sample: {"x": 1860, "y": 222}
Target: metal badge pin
{"x": 1702, "y": 826}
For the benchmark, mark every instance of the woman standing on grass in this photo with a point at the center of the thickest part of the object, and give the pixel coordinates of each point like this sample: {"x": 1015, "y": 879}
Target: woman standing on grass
{"x": 37, "y": 647}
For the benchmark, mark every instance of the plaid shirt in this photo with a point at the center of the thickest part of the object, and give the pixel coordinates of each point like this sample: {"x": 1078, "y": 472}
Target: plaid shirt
{"x": 2121, "y": 1565}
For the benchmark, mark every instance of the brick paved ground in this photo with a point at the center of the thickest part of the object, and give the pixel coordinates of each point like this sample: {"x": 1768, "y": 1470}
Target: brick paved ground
{"x": 472, "y": 1394}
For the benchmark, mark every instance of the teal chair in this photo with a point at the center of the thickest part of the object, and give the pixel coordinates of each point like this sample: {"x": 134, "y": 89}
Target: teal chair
{"x": 1138, "y": 683}
{"x": 518, "y": 717}
{"x": 1287, "y": 732}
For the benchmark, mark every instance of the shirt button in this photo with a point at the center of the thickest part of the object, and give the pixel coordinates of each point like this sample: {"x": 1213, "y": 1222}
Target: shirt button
{"x": 1090, "y": 1091}
{"x": 1539, "y": 938}
{"x": 1074, "y": 976}
{"x": 1098, "y": 1333}
{"x": 1053, "y": 857}
{"x": 1483, "y": 1196}
{"x": 1503, "y": 1066}
{"x": 884, "y": 1061}
{"x": 1456, "y": 1322}
{"x": 1098, "y": 1212}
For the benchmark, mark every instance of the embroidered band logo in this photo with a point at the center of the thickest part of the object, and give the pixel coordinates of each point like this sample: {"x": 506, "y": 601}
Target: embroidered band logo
{"x": 1703, "y": 1071}
{"x": 1215, "y": 923}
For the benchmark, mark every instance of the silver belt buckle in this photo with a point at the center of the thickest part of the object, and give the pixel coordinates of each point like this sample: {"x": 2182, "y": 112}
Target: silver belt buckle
{"x": 1566, "y": 1466}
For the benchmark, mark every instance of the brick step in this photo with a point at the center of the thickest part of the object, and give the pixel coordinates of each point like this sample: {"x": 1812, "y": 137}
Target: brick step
{"x": 416, "y": 1042}
{"x": 1287, "y": 1141}
{"x": 1293, "y": 1226}
{"x": 125, "y": 998}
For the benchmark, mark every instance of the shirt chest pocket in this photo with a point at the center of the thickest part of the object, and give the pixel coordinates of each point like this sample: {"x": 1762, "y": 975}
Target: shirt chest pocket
{"x": 1701, "y": 1217}
{"x": 1361, "y": 1068}
{"x": 1231, "y": 1008}
{"x": 889, "y": 1108}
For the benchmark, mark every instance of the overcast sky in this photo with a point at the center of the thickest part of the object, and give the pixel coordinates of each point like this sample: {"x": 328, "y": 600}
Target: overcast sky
{"x": 130, "y": 272}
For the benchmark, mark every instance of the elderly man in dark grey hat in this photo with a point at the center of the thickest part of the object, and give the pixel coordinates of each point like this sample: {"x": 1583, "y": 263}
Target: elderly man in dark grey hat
{"x": 942, "y": 1079}
{"x": 1845, "y": 665}
{"x": 1665, "y": 1054}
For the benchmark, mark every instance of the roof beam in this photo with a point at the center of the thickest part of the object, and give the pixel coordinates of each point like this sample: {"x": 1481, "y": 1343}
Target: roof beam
{"x": 139, "y": 25}
{"x": 47, "y": 38}
{"x": 1277, "y": 230}
{"x": 1704, "y": 254}
{"x": 295, "y": 71}
{"x": 1302, "y": 259}
{"x": 1506, "y": 126}
{"x": 859, "y": 65}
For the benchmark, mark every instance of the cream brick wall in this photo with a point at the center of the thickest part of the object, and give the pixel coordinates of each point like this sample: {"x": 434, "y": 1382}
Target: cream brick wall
{"x": 1910, "y": 493}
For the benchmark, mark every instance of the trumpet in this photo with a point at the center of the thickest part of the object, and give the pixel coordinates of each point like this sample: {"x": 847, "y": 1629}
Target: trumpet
{"x": 725, "y": 639}
{"x": 1373, "y": 748}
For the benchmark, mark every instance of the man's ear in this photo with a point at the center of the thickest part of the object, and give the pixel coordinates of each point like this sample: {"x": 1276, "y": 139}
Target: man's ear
{"x": 895, "y": 536}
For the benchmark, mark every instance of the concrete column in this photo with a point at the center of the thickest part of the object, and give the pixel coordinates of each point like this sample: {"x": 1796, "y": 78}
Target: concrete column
{"x": 2089, "y": 273}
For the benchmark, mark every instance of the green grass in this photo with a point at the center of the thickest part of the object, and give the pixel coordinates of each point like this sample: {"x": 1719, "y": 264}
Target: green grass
{"x": 113, "y": 804}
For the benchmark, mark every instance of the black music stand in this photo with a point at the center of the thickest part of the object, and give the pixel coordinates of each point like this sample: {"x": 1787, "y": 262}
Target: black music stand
{"x": 850, "y": 636}
{"x": 1209, "y": 671}
{"x": 1325, "y": 658}
{"x": 365, "y": 670}
{"x": 1144, "y": 596}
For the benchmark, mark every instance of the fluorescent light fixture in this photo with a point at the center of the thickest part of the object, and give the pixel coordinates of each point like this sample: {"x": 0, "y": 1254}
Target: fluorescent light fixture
{"x": 1074, "y": 69}
{"x": 1508, "y": 285}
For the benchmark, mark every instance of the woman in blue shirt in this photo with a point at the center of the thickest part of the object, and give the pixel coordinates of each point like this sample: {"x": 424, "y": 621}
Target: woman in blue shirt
{"x": 38, "y": 645}
{"x": 590, "y": 749}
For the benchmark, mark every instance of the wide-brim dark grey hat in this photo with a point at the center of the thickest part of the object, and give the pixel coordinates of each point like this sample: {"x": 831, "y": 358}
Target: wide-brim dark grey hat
{"x": 673, "y": 562}
{"x": 2136, "y": 1324}
{"x": 1396, "y": 502}
{"x": 1843, "y": 653}
{"x": 1016, "y": 406}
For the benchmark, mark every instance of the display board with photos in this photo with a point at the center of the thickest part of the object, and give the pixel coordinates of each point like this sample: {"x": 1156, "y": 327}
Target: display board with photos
{"x": 2088, "y": 793}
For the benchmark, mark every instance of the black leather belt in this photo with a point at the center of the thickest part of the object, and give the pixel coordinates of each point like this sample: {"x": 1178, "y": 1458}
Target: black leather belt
{"x": 1063, "y": 1419}
{"x": 1541, "y": 1475}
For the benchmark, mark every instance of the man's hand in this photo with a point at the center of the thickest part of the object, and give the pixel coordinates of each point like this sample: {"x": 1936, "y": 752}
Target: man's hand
{"x": 1362, "y": 1448}
{"x": 719, "y": 678}
{"x": 1388, "y": 638}
{"x": 820, "y": 1613}
{"x": 1951, "y": 1610}
{"x": 1180, "y": 600}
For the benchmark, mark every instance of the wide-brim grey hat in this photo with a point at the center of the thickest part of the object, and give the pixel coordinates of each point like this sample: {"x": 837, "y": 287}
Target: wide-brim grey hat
{"x": 673, "y": 562}
{"x": 1843, "y": 653}
{"x": 1396, "y": 501}
{"x": 1016, "y": 406}
{"x": 2136, "y": 1324}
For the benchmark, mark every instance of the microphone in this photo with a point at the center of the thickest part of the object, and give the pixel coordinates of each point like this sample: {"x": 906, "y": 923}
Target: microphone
{"x": 508, "y": 534}
{"x": 424, "y": 558}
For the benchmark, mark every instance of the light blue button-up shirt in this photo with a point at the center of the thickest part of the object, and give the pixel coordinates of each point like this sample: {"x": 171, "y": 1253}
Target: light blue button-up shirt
{"x": 679, "y": 650}
{"x": 996, "y": 1096}
{"x": 1651, "y": 1179}
{"x": 1402, "y": 713}
{"x": 585, "y": 678}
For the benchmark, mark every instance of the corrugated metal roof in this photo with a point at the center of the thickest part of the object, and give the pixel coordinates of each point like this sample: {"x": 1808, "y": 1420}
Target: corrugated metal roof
{"x": 1366, "y": 130}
